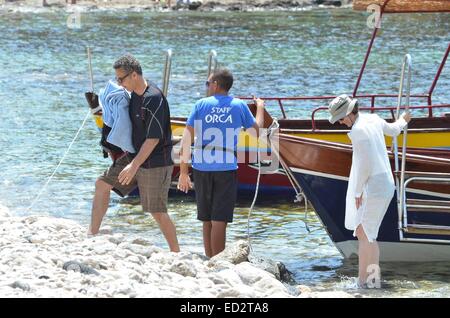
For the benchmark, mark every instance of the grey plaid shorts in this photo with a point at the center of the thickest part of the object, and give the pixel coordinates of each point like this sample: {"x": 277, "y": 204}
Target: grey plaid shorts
{"x": 153, "y": 184}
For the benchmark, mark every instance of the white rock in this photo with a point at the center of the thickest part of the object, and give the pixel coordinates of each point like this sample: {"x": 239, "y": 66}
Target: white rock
{"x": 249, "y": 274}
{"x": 234, "y": 253}
{"x": 184, "y": 268}
{"x": 189, "y": 287}
{"x": 121, "y": 253}
{"x": 219, "y": 265}
{"x": 229, "y": 292}
{"x": 141, "y": 241}
{"x": 162, "y": 258}
{"x": 230, "y": 277}
{"x": 216, "y": 279}
{"x": 270, "y": 286}
{"x": 135, "y": 259}
{"x": 116, "y": 238}
{"x": 138, "y": 249}
{"x": 4, "y": 211}
{"x": 37, "y": 239}
{"x": 103, "y": 248}
{"x": 192, "y": 256}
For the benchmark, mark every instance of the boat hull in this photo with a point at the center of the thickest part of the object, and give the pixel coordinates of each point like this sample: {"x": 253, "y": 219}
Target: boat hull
{"x": 325, "y": 183}
{"x": 401, "y": 251}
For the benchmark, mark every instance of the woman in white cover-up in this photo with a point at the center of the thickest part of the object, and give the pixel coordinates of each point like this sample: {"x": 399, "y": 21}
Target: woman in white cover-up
{"x": 371, "y": 184}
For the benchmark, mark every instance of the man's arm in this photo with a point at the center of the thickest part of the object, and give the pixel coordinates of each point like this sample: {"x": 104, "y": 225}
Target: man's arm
{"x": 127, "y": 174}
{"x": 145, "y": 151}
{"x": 184, "y": 182}
{"x": 259, "y": 118}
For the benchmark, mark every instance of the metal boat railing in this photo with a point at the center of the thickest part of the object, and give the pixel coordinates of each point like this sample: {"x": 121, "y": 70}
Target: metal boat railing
{"x": 212, "y": 64}
{"x": 419, "y": 206}
{"x": 406, "y": 67}
{"x": 282, "y": 101}
{"x": 377, "y": 109}
{"x": 166, "y": 73}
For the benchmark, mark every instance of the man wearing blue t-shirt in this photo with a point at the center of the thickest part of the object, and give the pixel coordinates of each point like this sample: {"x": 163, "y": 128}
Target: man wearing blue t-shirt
{"x": 216, "y": 121}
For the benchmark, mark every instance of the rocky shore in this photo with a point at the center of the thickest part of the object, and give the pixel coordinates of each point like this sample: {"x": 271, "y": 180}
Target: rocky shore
{"x": 168, "y": 5}
{"x": 53, "y": 257}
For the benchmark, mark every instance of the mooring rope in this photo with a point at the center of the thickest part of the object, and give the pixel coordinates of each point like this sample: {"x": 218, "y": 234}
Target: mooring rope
{"x": 254, "y": 197}
{"x": 299, "y": 194}
{"x": 60, "y": 162}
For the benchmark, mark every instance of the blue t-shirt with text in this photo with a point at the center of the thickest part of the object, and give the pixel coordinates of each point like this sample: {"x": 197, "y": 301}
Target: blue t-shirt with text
{"x": 217, "y": 121}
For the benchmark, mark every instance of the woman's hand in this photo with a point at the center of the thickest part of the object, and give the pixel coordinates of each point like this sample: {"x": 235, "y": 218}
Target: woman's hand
{"x": 407, "y": 116}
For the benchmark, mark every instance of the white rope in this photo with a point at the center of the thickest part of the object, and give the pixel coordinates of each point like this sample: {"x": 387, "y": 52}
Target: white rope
{"x": 255, "y": 196}
{"x": 268, "y": 133}
{"x": 60, "y": 162}
{"x": 299, "y": 194}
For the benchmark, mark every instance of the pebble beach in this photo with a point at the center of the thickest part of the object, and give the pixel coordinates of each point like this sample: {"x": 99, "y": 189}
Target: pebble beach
{"x": 53, "y": 257}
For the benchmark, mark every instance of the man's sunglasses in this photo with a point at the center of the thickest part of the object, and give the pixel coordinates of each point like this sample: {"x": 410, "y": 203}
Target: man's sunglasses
{"x": 120, "y": 79}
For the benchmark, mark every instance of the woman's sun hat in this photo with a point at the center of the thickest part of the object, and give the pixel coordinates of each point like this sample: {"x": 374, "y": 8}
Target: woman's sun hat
{"x": 340, "y": 107}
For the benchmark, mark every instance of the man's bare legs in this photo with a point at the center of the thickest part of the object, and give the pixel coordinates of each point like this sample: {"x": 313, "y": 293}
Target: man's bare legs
{"x": 168, "y": 229}
{"x": 99, "y": 205}
{"x": 214, "y": 237}
{"x": 218, "y": 236}
{"x": 207, "y": 238}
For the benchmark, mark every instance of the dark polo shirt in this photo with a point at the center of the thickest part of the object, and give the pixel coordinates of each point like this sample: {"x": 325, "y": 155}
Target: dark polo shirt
{"x": 150, "y": 118}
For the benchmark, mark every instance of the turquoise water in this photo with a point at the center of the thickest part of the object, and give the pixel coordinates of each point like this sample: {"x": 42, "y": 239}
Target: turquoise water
{"x": 43, "y": 76}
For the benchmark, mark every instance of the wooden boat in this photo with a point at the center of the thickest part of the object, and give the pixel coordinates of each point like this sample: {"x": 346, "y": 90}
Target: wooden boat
{"x": 422, "y": 233}
{"x": 403, "y": 6}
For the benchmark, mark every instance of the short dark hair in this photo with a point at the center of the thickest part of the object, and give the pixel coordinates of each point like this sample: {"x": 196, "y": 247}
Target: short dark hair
{"x": 224, "y": 78}
{"x": 128, "y": 63}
